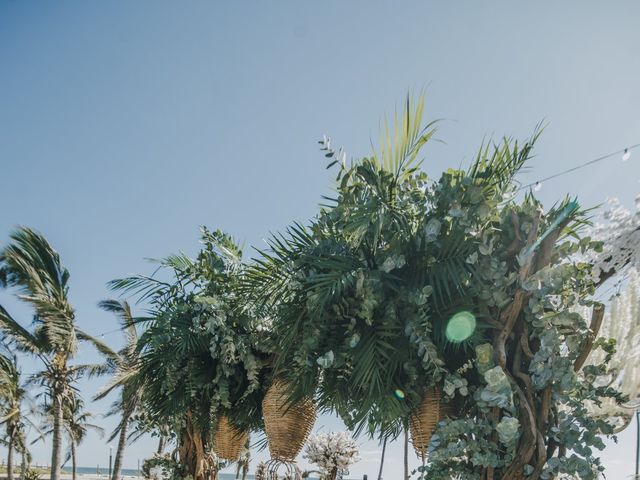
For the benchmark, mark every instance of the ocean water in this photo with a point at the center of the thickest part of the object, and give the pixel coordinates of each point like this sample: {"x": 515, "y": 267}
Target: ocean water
{"x": 132, "y": 473}
{"x": 103, "y": 472}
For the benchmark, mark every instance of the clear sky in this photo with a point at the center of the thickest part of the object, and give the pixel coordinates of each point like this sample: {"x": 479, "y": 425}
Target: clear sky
{"x": 126, "y": 125}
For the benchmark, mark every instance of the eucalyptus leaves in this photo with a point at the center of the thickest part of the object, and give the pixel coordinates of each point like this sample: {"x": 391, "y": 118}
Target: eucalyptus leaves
{"x": 402, "y": 285}
{"x": 361, "y": 298}
{"x": 202, "y": 353}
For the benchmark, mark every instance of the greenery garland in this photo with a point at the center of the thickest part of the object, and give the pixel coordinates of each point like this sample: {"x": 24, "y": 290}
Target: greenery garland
{"x": 201, "y": 356}
{"x": 361, "y": 300}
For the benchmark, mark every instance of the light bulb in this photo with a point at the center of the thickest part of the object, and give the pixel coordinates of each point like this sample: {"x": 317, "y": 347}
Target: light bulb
{"x": 626, "y": 155}
{"x": 537, "y": 186}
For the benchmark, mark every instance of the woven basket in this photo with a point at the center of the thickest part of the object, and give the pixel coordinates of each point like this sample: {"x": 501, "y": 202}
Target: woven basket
{"x": 287, "y": 425}
{"x": 424, "y": 419}
{"x": 229, "y": 440}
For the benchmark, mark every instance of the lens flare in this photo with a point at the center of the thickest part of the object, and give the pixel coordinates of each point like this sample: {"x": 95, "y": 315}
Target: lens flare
{"x": 460, "y": 326}
{"x": 399, "y": 394}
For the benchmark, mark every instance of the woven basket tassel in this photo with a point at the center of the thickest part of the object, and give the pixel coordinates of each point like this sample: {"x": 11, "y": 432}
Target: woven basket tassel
{"x": 424, "y": 419}
{"x": 229, "y": 440}
{"x": 287, "y": 426}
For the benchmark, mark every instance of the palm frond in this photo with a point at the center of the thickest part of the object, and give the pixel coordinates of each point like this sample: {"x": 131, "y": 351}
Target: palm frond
{"x": 140, "y": 286}
{"x": 19, "y": 335}
{"x": 400, "y": 144}
{"x": 99, "y": 345}
{"x": 33, "y": 267}
{"x": 496, "y": 164}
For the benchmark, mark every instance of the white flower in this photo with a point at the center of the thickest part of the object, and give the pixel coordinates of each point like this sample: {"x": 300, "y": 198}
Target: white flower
{"x": 334, "y": 450}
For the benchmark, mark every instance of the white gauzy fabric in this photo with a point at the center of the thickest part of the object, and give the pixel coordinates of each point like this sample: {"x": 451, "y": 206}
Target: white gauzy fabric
{"x": 621, "y": 323}
{"x": 620, "y": 233}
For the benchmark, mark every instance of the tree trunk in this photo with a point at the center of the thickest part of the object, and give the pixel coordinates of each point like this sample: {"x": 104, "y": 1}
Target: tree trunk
{"x": 247, "y": 459}
{"x": 384, "y": 450}
{"x": 73, "y": 459}
{"x": 406, "y": 452}
{"x": 10, "y": 449}
{"x": 23, "y": 467}
{"x": 57, "y": 435}
{"x": 245, "y": 469}
{"x": 333, "y": 474}
{"x": 637, "y": 443}
{"x": 122, "y": 441}
{"x": 160, "y": 445}
{"x": 192, "y": 452}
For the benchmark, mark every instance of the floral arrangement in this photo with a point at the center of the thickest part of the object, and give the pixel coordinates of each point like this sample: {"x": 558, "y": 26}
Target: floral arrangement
{"x": 402, "y": 283}
{"x": 261, "y": 471}
{"x": 332, "y": 452}
{"x": 200, "y": 355}
{"x": 352, "y": 295}
{"x": 159, "y": 467}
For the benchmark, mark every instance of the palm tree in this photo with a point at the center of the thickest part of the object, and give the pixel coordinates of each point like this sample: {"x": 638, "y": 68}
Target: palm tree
{"x": 77, "y": 422}
{"x": 123, "y": 365}
{"x": 406, "y": 451}
{"x": 141, "y": 423}
{"x": 384, "y": 451}
{"x": 33, "y": 267}
{"x": 242, "y": 465}
{"x": 183, "y": 383}
{"x": 13, "y": 395}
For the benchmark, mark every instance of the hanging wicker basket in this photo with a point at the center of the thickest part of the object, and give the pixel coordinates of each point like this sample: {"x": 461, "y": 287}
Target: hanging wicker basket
{"x": 229, "y": 440}
{"x": 424, "y": 419}
{"x": 287, "y": 425}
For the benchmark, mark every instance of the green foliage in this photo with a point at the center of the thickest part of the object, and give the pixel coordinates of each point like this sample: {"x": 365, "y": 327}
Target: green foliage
{"x": 32, "y": 474}
{"x": 352, "y": 310}
{"x": 168, "y": 468}
{"x": 552, "y": 328}
{"x": 360, "y": 298}
{"x": 198, "y": 353}
{"x": 16, "y": 405}
{"x": 76, "y": 422}
{"x": 31, "y": 266}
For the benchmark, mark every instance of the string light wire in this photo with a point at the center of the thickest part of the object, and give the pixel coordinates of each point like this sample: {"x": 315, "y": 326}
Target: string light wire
{"x": 538, "y": 183}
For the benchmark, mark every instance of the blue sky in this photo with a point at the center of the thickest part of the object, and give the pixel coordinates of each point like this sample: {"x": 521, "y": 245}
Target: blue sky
{"x": 126, "y": 125}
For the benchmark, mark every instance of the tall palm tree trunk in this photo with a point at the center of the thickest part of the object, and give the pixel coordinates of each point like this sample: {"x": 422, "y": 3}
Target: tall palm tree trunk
{"x": 57, "y": 436}
{"x": 637, "y": 443}
{"x": 73, "y": 460}
{"x": 406, "y": 452}
{"x": 23, "y": 466}
{"x": 10, "y": 449}
{"x": 160, "y": 445}
{"x": 122, "y": 441}
{"x": 245, "y": 469}
{"x": 247, "y": 459}
{"x": 384, "y": 450}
